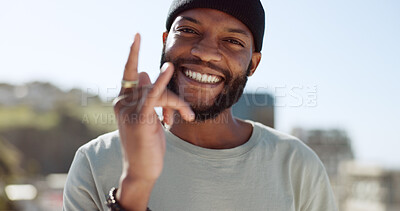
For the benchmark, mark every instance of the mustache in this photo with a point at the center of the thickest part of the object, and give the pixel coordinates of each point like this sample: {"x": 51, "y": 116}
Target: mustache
{"x": 180, "y": 61}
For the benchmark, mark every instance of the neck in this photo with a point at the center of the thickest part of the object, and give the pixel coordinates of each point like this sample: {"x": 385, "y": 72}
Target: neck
{"x": 223, "y": 132}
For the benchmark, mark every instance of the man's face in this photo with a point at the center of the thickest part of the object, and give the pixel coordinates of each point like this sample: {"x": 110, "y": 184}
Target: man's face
{"x": 213, "y": 54}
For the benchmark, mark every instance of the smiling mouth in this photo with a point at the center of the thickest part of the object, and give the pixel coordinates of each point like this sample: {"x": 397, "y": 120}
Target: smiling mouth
{"x": 202, "y": 77}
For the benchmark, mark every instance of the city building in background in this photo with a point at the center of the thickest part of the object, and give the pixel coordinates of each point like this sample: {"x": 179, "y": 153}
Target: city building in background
{"x": 257, "y": 107}
{"x": 368, "y": 187}
{"x": 358, "y": 187}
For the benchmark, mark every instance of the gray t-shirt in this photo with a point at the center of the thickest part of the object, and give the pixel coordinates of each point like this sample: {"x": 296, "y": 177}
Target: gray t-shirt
{"x": 271, "y": 171}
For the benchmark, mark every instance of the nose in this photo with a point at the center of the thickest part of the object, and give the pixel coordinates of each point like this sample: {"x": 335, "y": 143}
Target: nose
{"x": 207, "y": 50}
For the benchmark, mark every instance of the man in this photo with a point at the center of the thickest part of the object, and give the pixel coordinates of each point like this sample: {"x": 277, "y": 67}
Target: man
{"x": 207, "y": 160}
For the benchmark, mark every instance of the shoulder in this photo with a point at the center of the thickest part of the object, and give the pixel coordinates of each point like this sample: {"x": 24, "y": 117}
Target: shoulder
{"x": 101, "y": 153}
{"x": 108, "y": 143}
{"x": 279, "y": 140}
{"x": 98, "y": 155}
{"x": 95, "y": 169}
{"x": 286, "y": 147}
{"x": 302, "y": 166}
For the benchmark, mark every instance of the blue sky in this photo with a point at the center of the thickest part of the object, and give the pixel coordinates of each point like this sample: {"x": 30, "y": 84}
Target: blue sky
{"x": 331, "y": 64}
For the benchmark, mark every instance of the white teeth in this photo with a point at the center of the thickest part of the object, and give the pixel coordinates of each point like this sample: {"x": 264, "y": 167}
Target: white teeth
{"x": 198, "y": 76}
{"x": 204, "y": 78}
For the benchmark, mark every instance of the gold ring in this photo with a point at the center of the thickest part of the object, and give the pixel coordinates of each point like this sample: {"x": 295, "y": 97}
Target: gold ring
{"x": 119, "y": 98}
{"x": 129, "y": 84}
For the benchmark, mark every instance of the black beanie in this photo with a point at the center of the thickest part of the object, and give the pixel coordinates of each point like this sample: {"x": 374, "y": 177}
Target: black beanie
{"x": 249, "y": 12}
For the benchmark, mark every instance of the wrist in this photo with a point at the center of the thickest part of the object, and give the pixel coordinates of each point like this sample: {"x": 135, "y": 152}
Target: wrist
{"x": 134, "y": 194}
{"x": 112, "y": 202}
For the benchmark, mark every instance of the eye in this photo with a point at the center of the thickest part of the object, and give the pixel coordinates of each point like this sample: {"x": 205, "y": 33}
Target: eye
{"x": 235, "y": 42}
{"x": 186, "y": 30}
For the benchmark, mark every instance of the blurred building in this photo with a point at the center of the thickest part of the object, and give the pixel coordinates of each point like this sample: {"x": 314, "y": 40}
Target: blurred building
{"x": 357, "y": 187}
{"x": 369, "y": 188}
{"x": 257, "y": 107}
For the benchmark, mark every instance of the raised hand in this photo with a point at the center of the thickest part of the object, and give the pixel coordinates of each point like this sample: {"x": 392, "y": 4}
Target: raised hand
{"x": 141, "y": 133}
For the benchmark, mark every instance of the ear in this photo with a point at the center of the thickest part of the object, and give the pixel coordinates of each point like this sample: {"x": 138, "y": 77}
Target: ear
{"x": 255, "y": 60}
{"x": 164, "y": 37}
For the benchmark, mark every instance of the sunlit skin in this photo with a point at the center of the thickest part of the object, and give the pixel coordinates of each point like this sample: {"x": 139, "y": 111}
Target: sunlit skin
{"x": 203, "y": 34}
{"x": 222, "y": 40}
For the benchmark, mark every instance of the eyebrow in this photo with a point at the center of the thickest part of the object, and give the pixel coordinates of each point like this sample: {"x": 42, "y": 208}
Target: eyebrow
{"x": 191, "y": 19}
{"x": 231, "y": 30}
{"x": 239, "y": 31}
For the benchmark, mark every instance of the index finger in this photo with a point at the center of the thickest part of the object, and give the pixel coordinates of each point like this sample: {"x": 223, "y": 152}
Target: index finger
{"x": 131, "y": 67}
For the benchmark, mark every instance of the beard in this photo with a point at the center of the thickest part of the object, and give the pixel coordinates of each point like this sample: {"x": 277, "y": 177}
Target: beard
{"x": 232, "y": 91}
